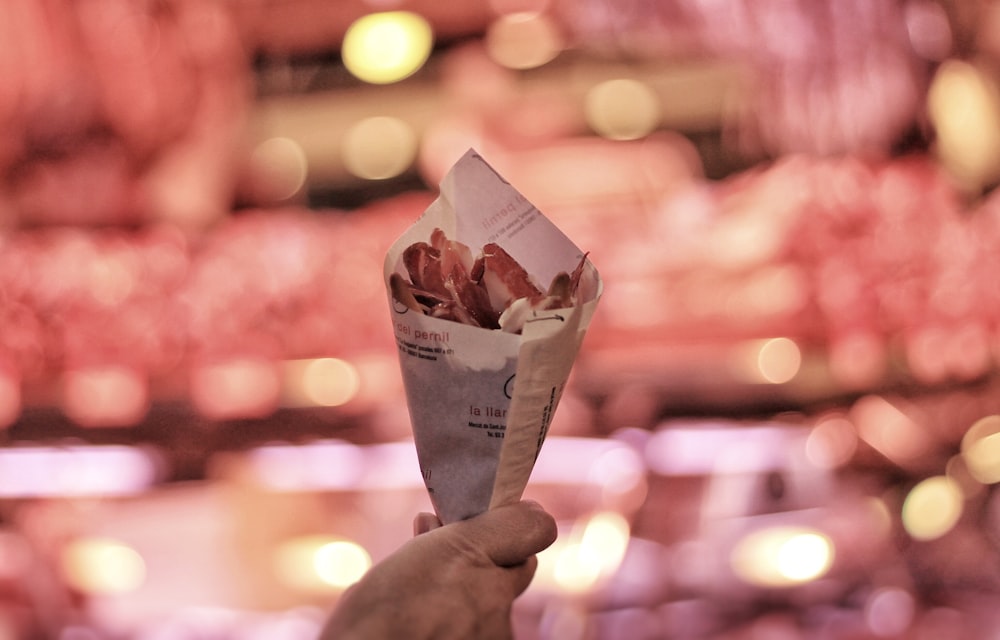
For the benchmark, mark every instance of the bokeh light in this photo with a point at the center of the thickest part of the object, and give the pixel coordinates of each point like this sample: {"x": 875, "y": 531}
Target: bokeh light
{"x": 782, "y": 556}
{"x": 981, "y": 449}
{"x": 831, "y": 442}
{"x": 858, "y": 360}
{"x": 779, "y": 360}
{"x": 889, "y": 612}
{"x": 319, "y": 382}
{"x": 964, "y": 106}
{"x": 523, "y": 40}
{"x": 932, "y": 508}
{"x": 622, "y": 109}
{"x": 606, "y": 535}
{"x": 889, "y": 429}
{"x": 102, "y": 566}
{"x": 325, "y": 465}
{"x": 575, "y": 569}
{"x": 770, "y": 361}
{"x": 928, "y": 29}
{"x": 387, "y": 47}
{"x": 76, "y": 471}
{"x": 591, "y": 552}
{"x": 379, "y": 148}
{"x": 280, "y": 168}
{"x": 341, "y": 563}
{"x": 111, "y": 396}
{"x": 320, "y": 563}
{"x": 111, "y": 277}
{"x": 621, "y": 474}
{"x": 330, "y": 382}
{"x": 769, "y": 291}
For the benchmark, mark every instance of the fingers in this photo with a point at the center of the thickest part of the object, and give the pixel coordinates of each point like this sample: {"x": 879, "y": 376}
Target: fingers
{"x": 424, "y": 522}
{"x": 511, "y": 534}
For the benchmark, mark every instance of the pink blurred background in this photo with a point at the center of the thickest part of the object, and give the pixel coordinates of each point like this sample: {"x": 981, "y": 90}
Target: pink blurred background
{"x": 783, "y": 420}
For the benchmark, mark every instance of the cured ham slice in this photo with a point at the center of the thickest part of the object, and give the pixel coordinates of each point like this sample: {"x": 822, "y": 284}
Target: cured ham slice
{"x": 492, "y": 290}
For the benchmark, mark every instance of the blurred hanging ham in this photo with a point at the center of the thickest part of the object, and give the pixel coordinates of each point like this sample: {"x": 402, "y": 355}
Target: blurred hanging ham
{"x": 824, "y": 76}
{"x": 117, "y": 111}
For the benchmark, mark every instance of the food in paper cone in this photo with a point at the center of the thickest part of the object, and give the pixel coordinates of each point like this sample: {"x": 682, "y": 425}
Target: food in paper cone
{"x": 492, "y": 291}
{"x": 485, "y": 350}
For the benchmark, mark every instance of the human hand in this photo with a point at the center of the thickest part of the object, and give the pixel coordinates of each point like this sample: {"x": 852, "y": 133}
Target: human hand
{"x": 454, "y": 581}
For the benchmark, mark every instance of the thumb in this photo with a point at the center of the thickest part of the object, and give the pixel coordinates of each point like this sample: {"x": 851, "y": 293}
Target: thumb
{"x": 511, "y": 534}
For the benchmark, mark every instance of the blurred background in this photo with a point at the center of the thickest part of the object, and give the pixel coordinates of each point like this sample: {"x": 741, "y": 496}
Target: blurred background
{"x": 785, "y": 419}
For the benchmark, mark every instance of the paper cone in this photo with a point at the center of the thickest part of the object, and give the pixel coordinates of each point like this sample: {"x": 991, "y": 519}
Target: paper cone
{"x": 481, "y": 400}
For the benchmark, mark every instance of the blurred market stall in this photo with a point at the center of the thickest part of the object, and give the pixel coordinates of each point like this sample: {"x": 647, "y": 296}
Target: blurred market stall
{"x": 784, "y": 419}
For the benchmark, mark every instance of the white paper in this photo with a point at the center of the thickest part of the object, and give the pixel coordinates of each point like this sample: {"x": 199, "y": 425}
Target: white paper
{"x": 481, "y": 400}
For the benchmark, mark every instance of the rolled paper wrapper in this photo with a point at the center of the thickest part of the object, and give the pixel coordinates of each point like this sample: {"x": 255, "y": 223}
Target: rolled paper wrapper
{"x": 481, "y": 400}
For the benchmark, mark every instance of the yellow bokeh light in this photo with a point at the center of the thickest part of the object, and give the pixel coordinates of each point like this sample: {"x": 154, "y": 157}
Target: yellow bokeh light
{"x": 320, "y": 563}
{"x": 782, "y": 556}
{"x": 964, "y": 105}
{"x": 606, "y": 536}
{"x": 577, "y": 568}
{"x": 622, "y": 109}
{"x": 386, "y": 47}
{"x": 103, "y": 566}
{"x": 779, "y": 360}
{"x": 981, "y": 450}
{"x": 803, "y": 557}
{"x": 341, "y": 563}
{"x": 593, "y": 551}
{"x": 330, "y": 382}
{"x": 379, "y": 148}
{"x": 770, "y": 361}
{"x": 319, "y": 382}
{"x": 932, "y": 508}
